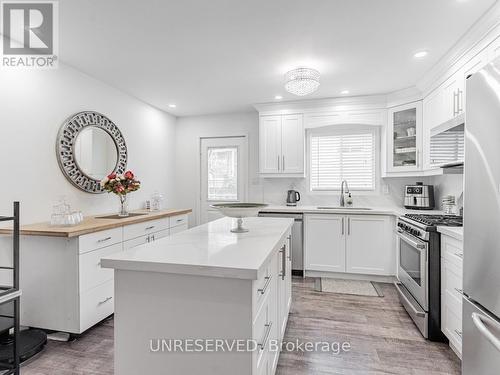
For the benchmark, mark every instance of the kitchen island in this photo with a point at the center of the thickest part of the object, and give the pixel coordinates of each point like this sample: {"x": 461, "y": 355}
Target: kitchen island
{"x": 204, "y": 301}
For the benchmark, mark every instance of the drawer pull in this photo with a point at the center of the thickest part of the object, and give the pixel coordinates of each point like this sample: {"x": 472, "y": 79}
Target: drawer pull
{"x": 104, "y": 301}
{"x": 459, "y": 290}
{"x": 266, "y": 285}
{"x": 460, "y": 255}
{"x": 104, "y": 239}
{"x": 151, "y": 227}
{"x": 459, "y": 333}
{"x": 179, "y": 220}
{"x": 266, "y": 336}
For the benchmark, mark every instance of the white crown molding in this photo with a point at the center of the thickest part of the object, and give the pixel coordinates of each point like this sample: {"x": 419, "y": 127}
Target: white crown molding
{"x": 327, "y": 104}
{"x": 479, "y": 35}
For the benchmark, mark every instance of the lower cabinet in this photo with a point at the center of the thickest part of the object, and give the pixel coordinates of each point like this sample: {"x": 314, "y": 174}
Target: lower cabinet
{"x": 451, "y": 291}
{"x": 358, "y": 244}
{"x": 65, "y": 288}
{"x": 271, "y": 306}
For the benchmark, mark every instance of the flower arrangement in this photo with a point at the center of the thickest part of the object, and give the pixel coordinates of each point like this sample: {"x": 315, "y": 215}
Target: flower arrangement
{"x": 121, "y": 185}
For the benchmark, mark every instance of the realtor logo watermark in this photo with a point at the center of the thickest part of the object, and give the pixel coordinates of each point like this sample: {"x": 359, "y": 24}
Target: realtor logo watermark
{"x": 30, "y": 34}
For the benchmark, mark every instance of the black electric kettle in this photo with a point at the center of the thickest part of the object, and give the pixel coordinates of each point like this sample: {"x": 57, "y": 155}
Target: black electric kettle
{"x": 292, "y": 198}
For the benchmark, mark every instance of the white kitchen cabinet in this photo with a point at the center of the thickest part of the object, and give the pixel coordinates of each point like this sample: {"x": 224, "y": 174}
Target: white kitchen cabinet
{"x": 369, "y": 246}
{"x": 281, "y": 145}
{"x": 404, "y": 138}
{"x": 451, "y": 291}
{"x": 324, "y": 242}
{"x": 64, "y": 286}
{"x": 357, "y": 244}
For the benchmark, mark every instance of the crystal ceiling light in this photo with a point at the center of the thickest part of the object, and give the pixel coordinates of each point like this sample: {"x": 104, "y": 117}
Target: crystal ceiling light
{"x": 302, "y": 81}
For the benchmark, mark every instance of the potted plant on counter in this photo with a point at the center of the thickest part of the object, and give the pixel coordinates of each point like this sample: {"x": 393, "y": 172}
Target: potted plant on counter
{"x": 121, "y": 185}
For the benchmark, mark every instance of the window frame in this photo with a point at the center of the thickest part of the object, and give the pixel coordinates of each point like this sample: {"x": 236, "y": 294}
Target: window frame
{"x": 339, "y": 130}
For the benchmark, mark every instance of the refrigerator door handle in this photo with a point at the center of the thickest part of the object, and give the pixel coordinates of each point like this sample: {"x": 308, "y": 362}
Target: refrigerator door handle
{"x": 480, "y": 322}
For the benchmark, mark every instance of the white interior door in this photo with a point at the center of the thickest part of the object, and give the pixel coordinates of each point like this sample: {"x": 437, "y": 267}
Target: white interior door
{"x": 224, "y": 173}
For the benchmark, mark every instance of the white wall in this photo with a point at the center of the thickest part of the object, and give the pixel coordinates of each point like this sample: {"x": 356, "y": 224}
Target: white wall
{"x": 34, "y": 104}
{"x": 188, "y": 134}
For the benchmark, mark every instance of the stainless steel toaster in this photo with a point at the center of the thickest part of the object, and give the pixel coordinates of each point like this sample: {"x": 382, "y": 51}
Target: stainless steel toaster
{"x": 419, "y": 196}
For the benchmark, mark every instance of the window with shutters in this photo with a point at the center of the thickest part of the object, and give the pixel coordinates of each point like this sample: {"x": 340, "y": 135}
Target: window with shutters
{"x": 338, "y": 155}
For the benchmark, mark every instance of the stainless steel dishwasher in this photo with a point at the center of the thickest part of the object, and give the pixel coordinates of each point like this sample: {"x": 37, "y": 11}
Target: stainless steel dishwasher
{"x": 297, "y": 238}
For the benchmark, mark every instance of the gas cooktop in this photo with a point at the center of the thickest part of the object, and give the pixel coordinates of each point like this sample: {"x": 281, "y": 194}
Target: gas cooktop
{"x": 437, "y": 220}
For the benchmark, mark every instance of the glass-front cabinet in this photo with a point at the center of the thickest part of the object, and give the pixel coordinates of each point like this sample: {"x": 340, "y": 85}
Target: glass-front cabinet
{"x": 405, "y": 138}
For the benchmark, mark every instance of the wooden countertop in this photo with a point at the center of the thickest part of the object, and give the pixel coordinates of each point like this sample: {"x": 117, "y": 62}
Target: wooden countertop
{"x": 93, "y": 224}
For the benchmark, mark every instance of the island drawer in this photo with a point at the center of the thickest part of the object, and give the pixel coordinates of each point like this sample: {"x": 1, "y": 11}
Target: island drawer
{"x": 91, "y": 273}
{"x": 145, "y": 228}
{"x": 96, "y": 304}
{"x": 98, "y": 240}
{"x": 262, "y": 334}
{"x": 261, "y": 288}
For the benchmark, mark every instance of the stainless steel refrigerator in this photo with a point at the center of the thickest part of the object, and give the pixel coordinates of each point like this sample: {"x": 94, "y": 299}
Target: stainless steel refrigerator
{"x": 481, "y": 302}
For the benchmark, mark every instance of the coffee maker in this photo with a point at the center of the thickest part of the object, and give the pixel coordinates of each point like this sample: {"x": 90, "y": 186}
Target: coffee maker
{"x": 292, "y": 197}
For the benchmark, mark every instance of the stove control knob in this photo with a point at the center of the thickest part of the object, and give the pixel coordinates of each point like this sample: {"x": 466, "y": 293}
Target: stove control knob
{"x": 417, "y": 233}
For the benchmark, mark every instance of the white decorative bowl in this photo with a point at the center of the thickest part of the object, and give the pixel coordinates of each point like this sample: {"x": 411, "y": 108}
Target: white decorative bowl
{"x": 239, "y": 211}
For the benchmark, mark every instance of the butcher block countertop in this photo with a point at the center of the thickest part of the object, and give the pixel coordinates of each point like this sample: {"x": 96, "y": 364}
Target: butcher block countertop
{"x": 93, "y": 224}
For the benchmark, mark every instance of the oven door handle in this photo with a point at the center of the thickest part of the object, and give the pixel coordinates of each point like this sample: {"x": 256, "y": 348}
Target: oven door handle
{"x": 416, "y": 244}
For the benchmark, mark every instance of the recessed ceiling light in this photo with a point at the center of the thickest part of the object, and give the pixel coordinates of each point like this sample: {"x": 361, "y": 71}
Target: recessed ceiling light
{"x": 278, "y": 97}
{"x": 345, "y": 92}
{"x": 172, "y": 105}
{"x": 420, "y": 54}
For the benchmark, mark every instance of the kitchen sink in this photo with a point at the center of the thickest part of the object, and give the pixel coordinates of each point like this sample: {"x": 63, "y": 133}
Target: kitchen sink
{"x": 342, "y": 208}
{"x": 116, "y": 216}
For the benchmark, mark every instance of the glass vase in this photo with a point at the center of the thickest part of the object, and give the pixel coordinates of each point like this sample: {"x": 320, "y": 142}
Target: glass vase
{"x": 123, "y": 206}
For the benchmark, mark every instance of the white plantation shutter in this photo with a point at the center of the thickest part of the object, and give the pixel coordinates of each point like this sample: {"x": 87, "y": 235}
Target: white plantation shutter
{"x": 343, "y": 156}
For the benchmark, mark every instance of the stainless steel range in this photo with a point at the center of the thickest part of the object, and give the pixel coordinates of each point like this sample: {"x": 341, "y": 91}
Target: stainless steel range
{"x": 419, "y": 269}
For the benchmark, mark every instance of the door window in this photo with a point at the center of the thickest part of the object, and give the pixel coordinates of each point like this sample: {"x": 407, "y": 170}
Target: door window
{"x": 222, "y": 176}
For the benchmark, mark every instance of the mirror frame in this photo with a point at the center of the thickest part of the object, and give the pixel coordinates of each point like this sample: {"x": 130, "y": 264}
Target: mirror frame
{"x": 65, "y": 148}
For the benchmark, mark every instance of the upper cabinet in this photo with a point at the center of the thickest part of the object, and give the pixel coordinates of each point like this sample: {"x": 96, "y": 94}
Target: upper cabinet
{"x": 281, "y": 145}
{"x": 404, "y": 140}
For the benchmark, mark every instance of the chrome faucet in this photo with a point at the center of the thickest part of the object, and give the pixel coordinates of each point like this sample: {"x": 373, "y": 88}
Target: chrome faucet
{"x": 342, "y": 200}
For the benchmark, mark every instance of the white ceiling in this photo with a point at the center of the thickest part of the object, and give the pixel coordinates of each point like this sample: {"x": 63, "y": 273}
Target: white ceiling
{"x": 213, "y": 56}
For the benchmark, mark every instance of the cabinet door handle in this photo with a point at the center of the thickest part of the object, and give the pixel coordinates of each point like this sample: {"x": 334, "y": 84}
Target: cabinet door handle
{"x": 342, "y": 226}
{"x": 455, "y": 97}
{"x": 283, "y": 262}
{"x": 459, "y": 290}
{"x": 348, "y": 226}
{"x": 105, "y": 300}
{"x": 459, "y": 333}
{"x": 266, "y": 336}
{"x": 104, "y": 239}
{"x": 278, "y": 162}
{"x": 459, "y": 101}
{"x": 460, "y": 255}
{"x": 283, "y": 157}
{"x": 152, "y": 237}
{"x": 266, "y": 285}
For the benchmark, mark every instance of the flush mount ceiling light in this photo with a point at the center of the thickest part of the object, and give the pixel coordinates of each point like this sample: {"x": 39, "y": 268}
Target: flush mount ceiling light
{"x": 172, "y": 105}
{"x": 345, "y": 92}
{"x": 278, "y": 97}
{"x": 302, "y": 81}
{"x": 420, "y": 54}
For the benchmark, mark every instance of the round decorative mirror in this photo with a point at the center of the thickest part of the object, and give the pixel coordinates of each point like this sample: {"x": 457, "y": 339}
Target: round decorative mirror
{"x": 89, "y": 147}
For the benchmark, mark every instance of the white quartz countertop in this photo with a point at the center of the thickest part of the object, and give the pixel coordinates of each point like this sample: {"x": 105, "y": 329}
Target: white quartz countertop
{"x": 395, "y": 211}
{"x": 209, "y": 250}
{"x": 455, "y": 232}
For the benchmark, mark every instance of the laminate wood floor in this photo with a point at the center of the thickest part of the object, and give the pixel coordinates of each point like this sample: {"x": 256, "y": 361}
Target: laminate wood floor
{"x": 382, "y": 337}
